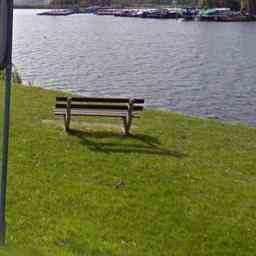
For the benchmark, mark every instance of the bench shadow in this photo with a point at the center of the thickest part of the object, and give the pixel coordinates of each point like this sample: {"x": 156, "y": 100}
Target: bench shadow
{"x": 138, "y": 143}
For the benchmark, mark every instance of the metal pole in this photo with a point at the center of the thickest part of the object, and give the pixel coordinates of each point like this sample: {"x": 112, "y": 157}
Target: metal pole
{"x": 6, "y": 125}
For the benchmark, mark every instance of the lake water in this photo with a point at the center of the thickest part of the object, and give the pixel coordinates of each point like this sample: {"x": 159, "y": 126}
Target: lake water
{"x": 203, "y": 69}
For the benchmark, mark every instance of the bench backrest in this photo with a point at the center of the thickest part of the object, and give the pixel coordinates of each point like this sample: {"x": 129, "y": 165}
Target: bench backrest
{"x": 99, "y": 103}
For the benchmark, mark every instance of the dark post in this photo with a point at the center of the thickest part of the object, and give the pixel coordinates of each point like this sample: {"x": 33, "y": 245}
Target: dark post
{"x": 6, "y": 123}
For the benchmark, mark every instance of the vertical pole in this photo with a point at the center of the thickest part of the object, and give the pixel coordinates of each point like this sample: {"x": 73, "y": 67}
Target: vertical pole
{"x": 6, "y": 124}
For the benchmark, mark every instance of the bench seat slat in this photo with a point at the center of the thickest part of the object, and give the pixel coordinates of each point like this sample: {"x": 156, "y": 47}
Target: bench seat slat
{"x": 93, "y": 113}
{"x": 100, "y": 100}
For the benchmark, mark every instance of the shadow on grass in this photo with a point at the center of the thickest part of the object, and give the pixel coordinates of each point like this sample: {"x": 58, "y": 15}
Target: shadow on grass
{"x": 144, "y": 144}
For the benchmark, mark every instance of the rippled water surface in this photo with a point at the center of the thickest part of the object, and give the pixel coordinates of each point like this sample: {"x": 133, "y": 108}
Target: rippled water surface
{"x": 205, "y": 69}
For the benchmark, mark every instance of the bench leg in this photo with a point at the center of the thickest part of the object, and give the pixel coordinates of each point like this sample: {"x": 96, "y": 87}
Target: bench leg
{"x": 127, "y": 124}
{"x": 128, "y": 119}
{"x": 67, "y": 122}
{"x": 67, "y": 116}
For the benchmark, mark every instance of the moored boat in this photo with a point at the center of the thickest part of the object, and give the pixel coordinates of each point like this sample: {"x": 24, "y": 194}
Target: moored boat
{"x": 189, "y": 14}
{"x": 56, "y": 13}
{"x": 223, "y": 15}
{"x": 105, "y": 11}
{"x": 161, "y": 14}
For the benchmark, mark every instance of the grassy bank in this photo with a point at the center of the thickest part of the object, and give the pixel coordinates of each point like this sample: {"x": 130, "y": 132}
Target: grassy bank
{"x": 178, "y": 186}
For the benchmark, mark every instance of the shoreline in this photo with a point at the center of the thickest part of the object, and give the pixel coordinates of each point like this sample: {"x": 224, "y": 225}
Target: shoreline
{"x": 154, "y": 108}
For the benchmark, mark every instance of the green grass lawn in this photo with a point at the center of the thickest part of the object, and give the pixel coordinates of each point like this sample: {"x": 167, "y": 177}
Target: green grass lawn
{"x": 177, "y": 186}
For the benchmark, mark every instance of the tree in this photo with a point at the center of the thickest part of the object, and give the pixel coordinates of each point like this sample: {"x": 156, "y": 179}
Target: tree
{"x": 251, "y": 5}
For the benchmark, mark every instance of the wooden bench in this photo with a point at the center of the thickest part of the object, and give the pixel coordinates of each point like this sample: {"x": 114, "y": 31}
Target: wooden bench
{"x": 107, "y": 107}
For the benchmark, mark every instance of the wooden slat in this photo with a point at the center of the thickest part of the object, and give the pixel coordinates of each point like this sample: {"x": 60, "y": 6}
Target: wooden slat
{"x": 100, "y": 100}
{"x": 99, "y": 106}
{"x": 93, "y": 113}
